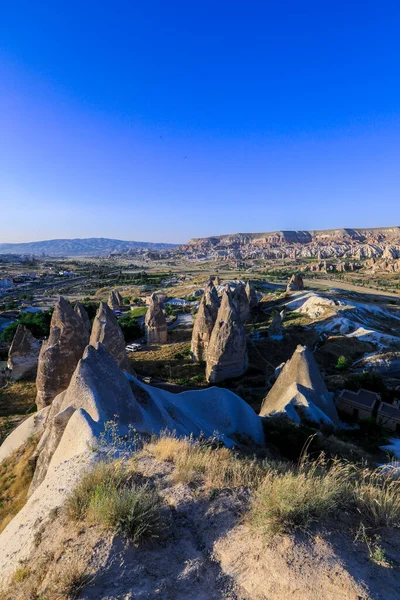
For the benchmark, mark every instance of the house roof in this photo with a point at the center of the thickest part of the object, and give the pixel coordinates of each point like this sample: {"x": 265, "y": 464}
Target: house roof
{"x": 364, "y": 398}
{"x": 391, "y": 411}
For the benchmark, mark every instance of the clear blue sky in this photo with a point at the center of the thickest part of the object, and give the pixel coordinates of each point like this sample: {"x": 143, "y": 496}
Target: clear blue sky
{"x": 166, "y": 120}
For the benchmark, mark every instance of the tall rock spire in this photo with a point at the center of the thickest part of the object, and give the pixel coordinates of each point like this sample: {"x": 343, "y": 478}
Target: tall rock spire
{"x": 241, "y": 303}
{"x": 211, "y": 299}
{"x": 60, "y": 354}
{"x": 227, "y": 349}
{"x": 251, "y": 295}
{"x": 83, "y": 315}
{"x": 155, "y": 323}
{"x": 107, "y": 331}
{"x": 202, "y": 330}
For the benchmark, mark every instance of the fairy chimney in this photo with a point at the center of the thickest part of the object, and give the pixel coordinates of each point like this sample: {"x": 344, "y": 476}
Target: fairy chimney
{"x": 155, "y": 323}
{"x": 202, "y": 330}
{"x": 23, "y": 354}
{"x": 227, "y": 349}
{"x": 107, "y": 331}
{"x": 60, "y": 354}
{"x": 241, "y": 303}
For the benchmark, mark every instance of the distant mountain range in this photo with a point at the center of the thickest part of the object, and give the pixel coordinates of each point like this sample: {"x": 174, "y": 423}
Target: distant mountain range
{"x": 80, "y": 247}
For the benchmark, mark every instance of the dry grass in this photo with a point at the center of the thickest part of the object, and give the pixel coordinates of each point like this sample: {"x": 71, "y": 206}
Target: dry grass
{"x": 16, "y": 399}
{"x": 21, "y": 574}
{"x": 69, "y": 581}
{"x": 109, "y": 496}
{"x": 286, "y": 496}
{"x": 49, "y": 581}
{"x": 378, "y": 498}
{"x": 16, "y": 474}
{"x": 201, "y": 461}
{"x": 170, "y": 362}
{"x": 301, "y": 496}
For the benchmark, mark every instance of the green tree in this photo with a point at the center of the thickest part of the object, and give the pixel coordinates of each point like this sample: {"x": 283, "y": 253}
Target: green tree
{"x": 130, "y": 328}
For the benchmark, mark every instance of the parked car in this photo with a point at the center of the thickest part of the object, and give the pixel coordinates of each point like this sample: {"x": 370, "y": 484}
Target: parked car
{"x": 133, "y": 347}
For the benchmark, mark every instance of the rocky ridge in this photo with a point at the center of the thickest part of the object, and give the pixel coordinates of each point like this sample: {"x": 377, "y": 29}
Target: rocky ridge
{"x": 322, "y": 244}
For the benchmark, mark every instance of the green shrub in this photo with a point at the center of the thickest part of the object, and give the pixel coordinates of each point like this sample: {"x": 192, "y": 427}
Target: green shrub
{"x": 343, "y": 363}
{"x": 109, "y": 497}
{"x": 130, "y": 327}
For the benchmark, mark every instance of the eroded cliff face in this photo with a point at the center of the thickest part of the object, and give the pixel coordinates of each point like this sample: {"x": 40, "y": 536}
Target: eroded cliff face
{"x": 322, "y": 244}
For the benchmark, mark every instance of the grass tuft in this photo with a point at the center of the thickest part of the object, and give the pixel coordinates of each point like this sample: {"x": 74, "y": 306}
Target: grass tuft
{"x": 300, "y": 497}
{"x": 197, "y": 461}
{"x": 108, "y": 496}
{"x": 377, "y": 495}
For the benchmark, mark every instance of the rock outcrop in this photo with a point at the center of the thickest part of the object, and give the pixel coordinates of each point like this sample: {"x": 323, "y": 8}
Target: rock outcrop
{"x": 202, "y": 330}
{"x": 23, "y": 354}
{"x": 251, "y": 295}
{"x": 107, "y": 331}
{"x": 98, "y": 391}
{"x": 241, "y": 303}
{"x": 300, "y": 393}
{"x": 60, "y": 354}
{"x": 115, "y": 300}
{"x": 295, "y": 284}
{"x": 275, "y": 330}
{"x": 155, "y": 323}
{"x": 387, "y": 364}
{"x": 211, "y": 299}
{"x": 227, "y": 349}
{"x": 83, "y": 315}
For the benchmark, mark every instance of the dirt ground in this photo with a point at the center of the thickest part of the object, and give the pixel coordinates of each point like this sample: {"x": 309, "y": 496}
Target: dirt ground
{"x": 206, "y": 551}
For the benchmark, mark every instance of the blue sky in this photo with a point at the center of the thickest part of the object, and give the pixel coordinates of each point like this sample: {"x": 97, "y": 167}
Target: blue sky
{"x": 163, "y": 121}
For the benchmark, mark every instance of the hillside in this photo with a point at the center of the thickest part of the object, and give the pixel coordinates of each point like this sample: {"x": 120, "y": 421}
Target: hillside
{"x": 329, "y": 243}
{"x": 80, "y": 247}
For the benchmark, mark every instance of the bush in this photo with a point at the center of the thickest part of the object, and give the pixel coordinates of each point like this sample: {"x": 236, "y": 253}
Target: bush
{"x": 343, "y": 363}
{"x": 109, "y": 497}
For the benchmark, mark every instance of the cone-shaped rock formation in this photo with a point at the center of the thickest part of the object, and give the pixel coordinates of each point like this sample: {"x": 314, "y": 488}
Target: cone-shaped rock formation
{"x": 23, "y": 354}
{"x": 251, "y": 295}
{"x": 300, "y": 392}
{"x": 155, "y": 323}
{"x": 60, "y": 354}
{"x": 83, "y": 315}
{"x": 295, "y": 283}
{"x": 211, "y": 299}
{"x": 275, "y": 330}
{"x": 202, "y": 330}
{"x": 227, "y": 349}
{"x": 241, "y": 303}
{"x": 115, "y": 300}
{"x": 107, "y": 331}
